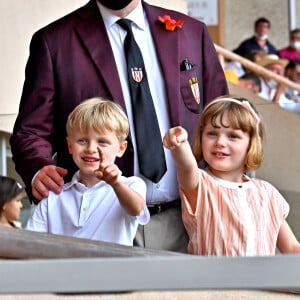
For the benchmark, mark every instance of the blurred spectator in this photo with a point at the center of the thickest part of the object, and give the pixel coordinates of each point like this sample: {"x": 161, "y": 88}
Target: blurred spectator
{"x": 235, "y": 66}
{"x": 248, "y": 81}
{"x": 238, "y": 68}
{"x": 257, "y": 55}
{"x": 270, "y": 89}
{"x": 231, "y": 76}
{"x": 259, "y": 41}
{"x": 251, "y": 82}
{"x": 293, "y": 50}
{"x": 268, "y": 85}
{"x": 292, "y": 72}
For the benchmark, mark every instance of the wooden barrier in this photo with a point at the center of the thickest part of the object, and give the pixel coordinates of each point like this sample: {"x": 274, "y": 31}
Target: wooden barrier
{"x": 18, "y": 243}
{"x": 255, "y": 67}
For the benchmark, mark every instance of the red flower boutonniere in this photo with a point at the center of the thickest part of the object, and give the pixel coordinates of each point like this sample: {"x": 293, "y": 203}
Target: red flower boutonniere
{"x": 171, "y": 24}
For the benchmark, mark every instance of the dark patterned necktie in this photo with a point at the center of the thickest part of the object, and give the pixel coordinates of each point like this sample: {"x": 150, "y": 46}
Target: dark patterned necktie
{"x": 148, "y": 138}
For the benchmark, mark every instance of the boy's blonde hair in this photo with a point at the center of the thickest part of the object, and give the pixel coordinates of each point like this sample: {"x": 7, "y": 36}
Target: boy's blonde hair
{"x": 243, "y": 117}
{"x": 98, "y": 114}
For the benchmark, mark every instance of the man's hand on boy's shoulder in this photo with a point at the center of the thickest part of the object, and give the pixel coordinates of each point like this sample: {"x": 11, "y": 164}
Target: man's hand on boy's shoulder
{"x": 49, "y": 178}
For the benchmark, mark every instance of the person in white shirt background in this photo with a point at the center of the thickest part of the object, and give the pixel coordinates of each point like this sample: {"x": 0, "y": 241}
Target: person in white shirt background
{"x": 270, "y": 89}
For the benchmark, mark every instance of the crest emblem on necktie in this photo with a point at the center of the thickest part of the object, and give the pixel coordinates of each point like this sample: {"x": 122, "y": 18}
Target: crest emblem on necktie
{"x": 137, "y": 74}
{"x": 195, "y": 88}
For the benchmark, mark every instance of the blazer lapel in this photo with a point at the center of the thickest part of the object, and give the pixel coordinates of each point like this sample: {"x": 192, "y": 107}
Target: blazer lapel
{"x": 167, "y": 56}
{"x": 93, "y": 34}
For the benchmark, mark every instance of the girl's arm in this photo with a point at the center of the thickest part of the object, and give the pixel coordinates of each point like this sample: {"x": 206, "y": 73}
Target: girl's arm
{"x": 286, "y": 241}
{"x": 176, "y": 140}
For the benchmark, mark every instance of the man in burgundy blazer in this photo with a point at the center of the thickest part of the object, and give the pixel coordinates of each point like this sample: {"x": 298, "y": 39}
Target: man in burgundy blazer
{"x": 71, "y": 60}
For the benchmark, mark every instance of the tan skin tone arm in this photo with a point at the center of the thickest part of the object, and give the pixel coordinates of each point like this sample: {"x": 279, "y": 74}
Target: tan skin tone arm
{"x": 279, "y": 91}
{"x": 130, "y": 200}
{"x": 176, "y": 140}
{"x": 286, "y": 240}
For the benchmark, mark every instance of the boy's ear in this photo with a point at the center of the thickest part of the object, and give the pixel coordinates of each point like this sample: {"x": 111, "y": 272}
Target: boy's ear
{"x": 69, "y": 145}
{"x": 123, "y": 147}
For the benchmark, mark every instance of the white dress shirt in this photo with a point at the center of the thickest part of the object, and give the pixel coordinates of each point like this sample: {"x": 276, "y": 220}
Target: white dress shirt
{"x": 167, "y": 188}
{"x": 93, "y": 213}
{"x": 268, "y": 93}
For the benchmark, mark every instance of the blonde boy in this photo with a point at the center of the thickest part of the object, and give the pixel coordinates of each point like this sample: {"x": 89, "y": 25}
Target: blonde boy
{"x": 99, "y": 203}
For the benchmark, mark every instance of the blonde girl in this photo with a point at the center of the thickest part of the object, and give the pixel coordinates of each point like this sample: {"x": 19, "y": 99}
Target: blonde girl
{"x": 225, "y": 212}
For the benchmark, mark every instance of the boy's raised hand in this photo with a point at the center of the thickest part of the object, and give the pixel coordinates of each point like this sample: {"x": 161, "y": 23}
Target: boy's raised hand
{"x": 107, "y": 171}
{"x": 174, "y": 137}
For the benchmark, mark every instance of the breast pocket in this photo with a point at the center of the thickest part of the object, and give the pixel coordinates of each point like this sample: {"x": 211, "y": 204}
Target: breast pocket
{"x": 191, "y": 89}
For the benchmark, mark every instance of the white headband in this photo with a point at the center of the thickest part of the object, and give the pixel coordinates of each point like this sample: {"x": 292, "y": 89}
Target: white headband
{"x": 243, "y": 103}
{"x": 19, "y": 185}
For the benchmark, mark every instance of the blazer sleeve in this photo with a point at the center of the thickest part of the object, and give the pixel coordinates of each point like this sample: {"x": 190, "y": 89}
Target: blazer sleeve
{"x": 214, "y": 81}
{"x": 32, "y": 133}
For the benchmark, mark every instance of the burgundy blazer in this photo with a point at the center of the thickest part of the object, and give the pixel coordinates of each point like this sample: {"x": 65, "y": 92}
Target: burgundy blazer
{"x": 71, "y": 60}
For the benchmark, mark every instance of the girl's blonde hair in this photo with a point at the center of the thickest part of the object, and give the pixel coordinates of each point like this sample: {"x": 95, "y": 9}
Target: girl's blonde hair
{"x": 241, "y": 115}
{"x": 99, "y": 114}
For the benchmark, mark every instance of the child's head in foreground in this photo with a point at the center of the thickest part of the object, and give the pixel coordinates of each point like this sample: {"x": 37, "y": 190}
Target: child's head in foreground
{"x": 99, "y": 115}
{"x": 11, "y": 195}
{"x": 96, "y": 134}
{"x": 238, "y": 114}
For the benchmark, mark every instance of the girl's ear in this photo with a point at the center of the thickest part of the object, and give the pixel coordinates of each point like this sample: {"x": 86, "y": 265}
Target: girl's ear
{"x": 123, "y": 147}
{"x": 69, "y": 145}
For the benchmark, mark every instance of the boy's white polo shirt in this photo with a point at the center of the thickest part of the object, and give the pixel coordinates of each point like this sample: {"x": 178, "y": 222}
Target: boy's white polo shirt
{"x": 93, "y": 213}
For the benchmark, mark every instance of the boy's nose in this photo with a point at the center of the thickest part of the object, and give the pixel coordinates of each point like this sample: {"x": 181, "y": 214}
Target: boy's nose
{"x": 92, "y": 147}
